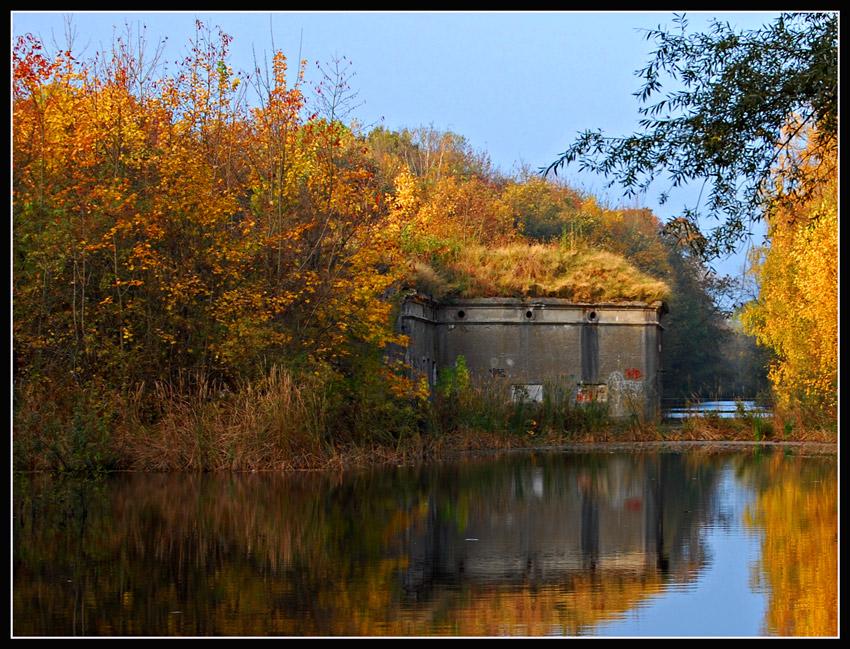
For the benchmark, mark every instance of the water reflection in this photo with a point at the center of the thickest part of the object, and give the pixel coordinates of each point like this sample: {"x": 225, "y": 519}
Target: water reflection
{"x": 796, "y": 513}
{"x": 523, "y": 544}
{"x": 537, "y": 524}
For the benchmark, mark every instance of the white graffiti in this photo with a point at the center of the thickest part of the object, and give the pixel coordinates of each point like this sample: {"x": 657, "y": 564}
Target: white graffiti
{"x": 625, "y": 396}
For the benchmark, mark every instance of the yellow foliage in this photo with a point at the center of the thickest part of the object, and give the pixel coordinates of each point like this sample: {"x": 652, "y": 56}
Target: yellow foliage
{"x": 796, "y": 313}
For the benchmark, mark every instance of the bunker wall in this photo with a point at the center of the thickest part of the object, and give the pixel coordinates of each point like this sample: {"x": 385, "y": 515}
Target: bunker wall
{"x": 608, "y": 354}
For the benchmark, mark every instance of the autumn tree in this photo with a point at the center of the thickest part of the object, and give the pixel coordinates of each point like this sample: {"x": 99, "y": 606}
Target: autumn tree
{"x": 430, "y": 154}
{"x": 168, "y": 226}
{"x": 796, "y": 311}
{"x": 543, "y": 210}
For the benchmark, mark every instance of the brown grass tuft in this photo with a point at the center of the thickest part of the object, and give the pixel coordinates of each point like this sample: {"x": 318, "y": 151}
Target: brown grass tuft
{"x": 541, "y": 270}
{"x": 276, "y": 422}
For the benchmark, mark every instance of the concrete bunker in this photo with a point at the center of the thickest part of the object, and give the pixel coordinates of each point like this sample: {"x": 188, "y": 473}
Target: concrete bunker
{"x": 605, "y": 354}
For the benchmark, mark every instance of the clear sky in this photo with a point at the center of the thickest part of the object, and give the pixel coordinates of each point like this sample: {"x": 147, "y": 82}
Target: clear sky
{"x": 518, "y": 85}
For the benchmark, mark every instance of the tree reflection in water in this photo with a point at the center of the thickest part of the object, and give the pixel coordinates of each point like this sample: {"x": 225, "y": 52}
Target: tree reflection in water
{"x": 522, "y": 544}
{"x": 796, "y": 512}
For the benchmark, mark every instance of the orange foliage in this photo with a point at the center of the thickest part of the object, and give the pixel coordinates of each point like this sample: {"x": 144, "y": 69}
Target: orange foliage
{"x": 163, "y": 225}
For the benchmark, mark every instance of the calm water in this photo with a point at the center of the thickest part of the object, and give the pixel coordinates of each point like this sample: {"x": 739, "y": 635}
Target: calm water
{"x": 659, "y": 543}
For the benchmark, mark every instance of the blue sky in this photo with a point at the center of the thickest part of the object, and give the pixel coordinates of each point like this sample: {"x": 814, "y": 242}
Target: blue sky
{"x": 518, "y": 85}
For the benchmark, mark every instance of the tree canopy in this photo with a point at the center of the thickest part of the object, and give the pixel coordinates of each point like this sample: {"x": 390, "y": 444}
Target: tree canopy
{"x": 796, "y": 313}
{"x": 721, "y": 107}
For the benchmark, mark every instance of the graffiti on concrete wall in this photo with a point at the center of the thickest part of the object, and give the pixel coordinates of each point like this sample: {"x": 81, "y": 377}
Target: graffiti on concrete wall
{"x": 626, "y": 393}
{"x": 591, "y": 393}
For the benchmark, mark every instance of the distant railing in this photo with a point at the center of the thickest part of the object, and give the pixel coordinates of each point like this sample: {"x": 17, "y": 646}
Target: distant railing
{"x": 724, "y": 409}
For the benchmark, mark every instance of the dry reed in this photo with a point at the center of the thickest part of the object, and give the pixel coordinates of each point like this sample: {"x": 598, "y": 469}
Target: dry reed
{"x": 539, "y": 270}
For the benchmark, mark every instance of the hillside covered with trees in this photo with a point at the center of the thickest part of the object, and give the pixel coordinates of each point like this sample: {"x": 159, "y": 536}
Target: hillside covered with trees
{"x": 207, "y": 262}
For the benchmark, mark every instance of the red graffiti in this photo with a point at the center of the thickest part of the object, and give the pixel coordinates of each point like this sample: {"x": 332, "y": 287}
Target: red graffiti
{"x": 633, "y": 373}
{"x": 632, "y": 504}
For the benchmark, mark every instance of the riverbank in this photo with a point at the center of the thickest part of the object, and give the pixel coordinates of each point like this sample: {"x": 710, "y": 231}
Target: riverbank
{"x": 285, "y": 423}
{"x": 702, "y": 446}
{"x": 705, "y": 436}
{"x": 659, "y": 437}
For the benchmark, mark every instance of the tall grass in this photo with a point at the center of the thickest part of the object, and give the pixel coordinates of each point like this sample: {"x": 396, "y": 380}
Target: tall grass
{"x": 464, "y": 404}
{"x": 278, "y": 421}
{"x": 282, "y": 420}
{"x": 539, "y": 270}
{"x": 298, "y": 420}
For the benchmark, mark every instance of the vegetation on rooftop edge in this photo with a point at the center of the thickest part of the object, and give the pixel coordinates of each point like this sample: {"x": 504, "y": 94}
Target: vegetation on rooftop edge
{"x": 539, "y": 270}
